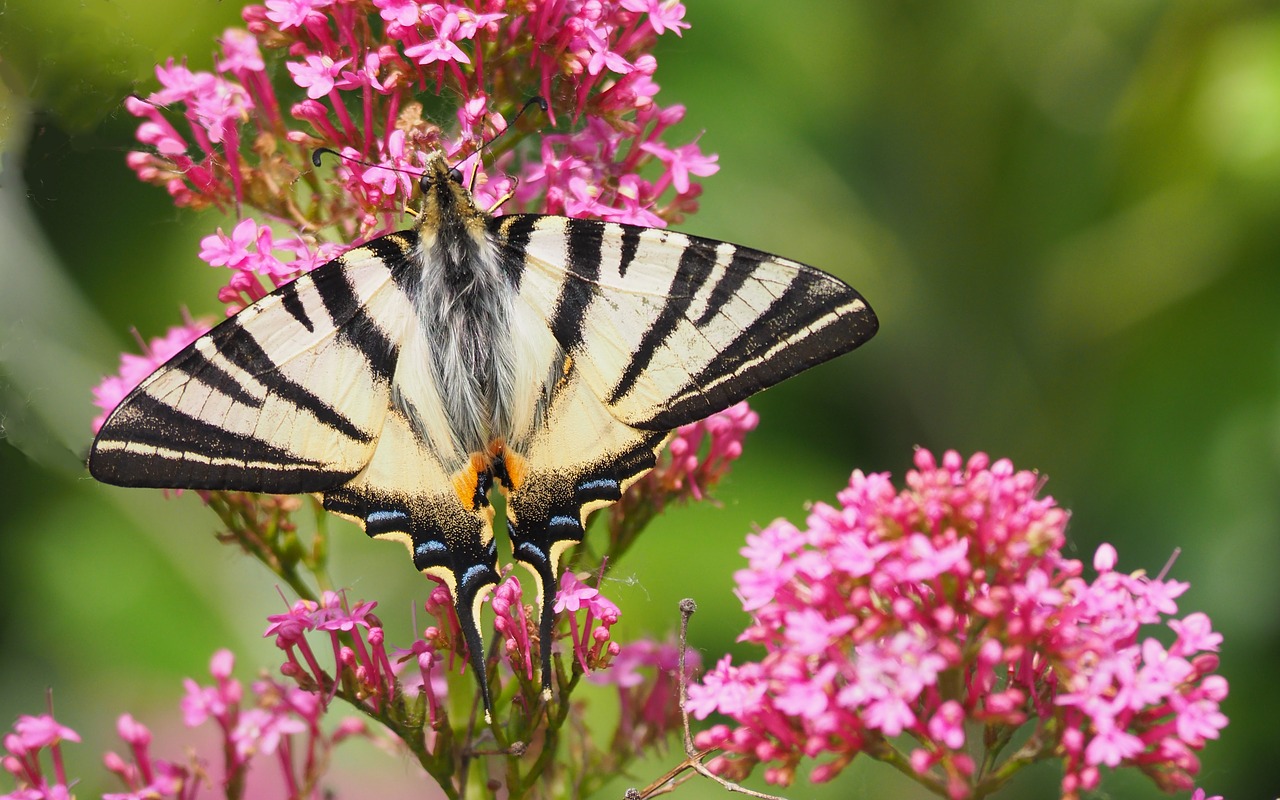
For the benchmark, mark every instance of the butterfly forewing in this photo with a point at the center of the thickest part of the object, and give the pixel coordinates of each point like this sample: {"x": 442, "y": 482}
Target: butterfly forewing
{"x": 668, "y": 328}
{"x": 288, "y": 396}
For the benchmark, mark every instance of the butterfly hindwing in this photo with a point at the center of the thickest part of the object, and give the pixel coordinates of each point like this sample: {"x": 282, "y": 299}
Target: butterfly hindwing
{"x": 582, "y": 459}
{"x": 406, "y": 494}
{"x": 669, "y": 328}
{"x": 287, "y": 396}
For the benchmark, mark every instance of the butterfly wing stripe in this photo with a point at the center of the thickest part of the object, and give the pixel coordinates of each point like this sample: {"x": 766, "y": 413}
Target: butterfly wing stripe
{"x": 240, "y": 348}
{"x": 694, "y": 269}
{"x": 513, "y": 233}
{"x": 728, "y": 287}
{"x": 630, "y": 246}
{"x": 346, "y": 309}
{"x": 394, "y": 252}
{"x": 583, "y": 242}
{"x": 289, "y": 300}
{"x": 201, "y": 368}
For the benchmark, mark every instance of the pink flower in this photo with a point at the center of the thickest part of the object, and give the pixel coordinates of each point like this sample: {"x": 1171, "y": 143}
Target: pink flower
{"x": 240, "y": 52}
{"x": 664, "y": 15}
{"x": 296, "y": 13}
{"x": 514, "y": 626}
{"x": 961, "y": 574}
{"x": 403, "y": 13}
{"x": 22, "y": 758}
{"x": 590, "y": 631}
{"x": 317, "y": 74}
{"x": 220, "y": 250}
{"x": 682, "y": 162}
{"x": 260, "y": 731}
{"x": 35, "y": 733}
{"x": 574, "y": 594}
{"x": 441, "y": 48}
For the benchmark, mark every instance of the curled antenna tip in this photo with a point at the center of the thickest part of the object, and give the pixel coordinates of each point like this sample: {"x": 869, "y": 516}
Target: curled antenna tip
{"x": 319, "y": 151}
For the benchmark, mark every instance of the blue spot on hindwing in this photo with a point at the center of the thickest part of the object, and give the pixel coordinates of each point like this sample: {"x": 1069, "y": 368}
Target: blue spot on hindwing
{"x": 599, "y": 489}
{"x": 473, "y": 574}
{"x": 430, "y": 547}
{"x": 563, "y": 521}
{"x": 528, "y": 551}
{"x": 384, "y": 520}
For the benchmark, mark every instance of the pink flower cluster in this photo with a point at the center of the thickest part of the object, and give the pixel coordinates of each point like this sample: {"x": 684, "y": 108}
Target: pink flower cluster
{"x": 362, "y": 656}
{"x": 693, "y": 468}
{"x": 145, "y": 777}
{"x": 592, "y": 647}
{"x": 948, "y": 604}
{"x": 22, "y": 758}
{"x": 357, "y": 641}
{"x": 283, "y": 723}
{"x": 357, "y": 68}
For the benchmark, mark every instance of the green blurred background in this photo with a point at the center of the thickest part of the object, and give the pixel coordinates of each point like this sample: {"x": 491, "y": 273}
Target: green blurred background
{"x": 1067, "y": 215}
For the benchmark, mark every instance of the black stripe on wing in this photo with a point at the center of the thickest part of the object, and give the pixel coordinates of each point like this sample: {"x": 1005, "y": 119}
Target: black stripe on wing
{"x": 513, "y": 232}
{"x": 238, "y": 346}
{"x": 357, "y": 329}
{"x": 584, "y": 241}
{"x": 291, "y": 303}
{"x": 245, "y": 462}
{"x": 740, "y": 266}
{"x": 815, "y": 319}
{"x": 695, "y": 267}
{"x": 200, "y": 368}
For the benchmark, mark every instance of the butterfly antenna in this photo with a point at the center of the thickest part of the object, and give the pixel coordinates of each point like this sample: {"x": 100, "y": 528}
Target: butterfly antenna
{"x": 323, "y": 151}
{"x": 533, "y": 101}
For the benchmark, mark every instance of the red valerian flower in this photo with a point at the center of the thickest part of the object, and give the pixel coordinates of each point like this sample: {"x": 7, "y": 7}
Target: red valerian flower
{"x": 862, "y": 614}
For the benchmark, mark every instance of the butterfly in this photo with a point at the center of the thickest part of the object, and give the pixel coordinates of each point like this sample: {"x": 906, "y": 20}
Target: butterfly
{"x": 547, "y": 356}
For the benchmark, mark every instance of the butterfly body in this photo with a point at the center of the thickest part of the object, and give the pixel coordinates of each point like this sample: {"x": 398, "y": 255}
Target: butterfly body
{"x": 545, "y": 356}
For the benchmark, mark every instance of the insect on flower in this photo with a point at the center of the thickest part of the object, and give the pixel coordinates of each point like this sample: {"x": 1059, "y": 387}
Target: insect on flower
{"x": 548, "y": 356}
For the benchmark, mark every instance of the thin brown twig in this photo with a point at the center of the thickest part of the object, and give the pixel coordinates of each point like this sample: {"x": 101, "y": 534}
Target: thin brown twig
{"x": 693, "y": 757}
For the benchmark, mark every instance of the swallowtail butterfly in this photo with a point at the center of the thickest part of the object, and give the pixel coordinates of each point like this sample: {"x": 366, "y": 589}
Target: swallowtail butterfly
{"x": 551, "y": 357}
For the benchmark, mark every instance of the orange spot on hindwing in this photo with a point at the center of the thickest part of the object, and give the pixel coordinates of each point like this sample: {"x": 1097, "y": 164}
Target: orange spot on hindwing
{"x": 471, "y": 483}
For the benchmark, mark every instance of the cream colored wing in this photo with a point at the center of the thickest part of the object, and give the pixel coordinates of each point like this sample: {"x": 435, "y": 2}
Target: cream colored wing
{"x": 287, "y": 396}
{"x": 580, "y": 460}
{"x": 668, "y": 328}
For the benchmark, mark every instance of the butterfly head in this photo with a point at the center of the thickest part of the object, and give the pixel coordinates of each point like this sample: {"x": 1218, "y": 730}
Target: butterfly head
{"x": 446, "y": 203}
